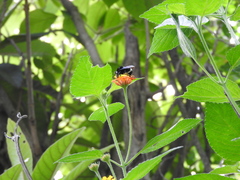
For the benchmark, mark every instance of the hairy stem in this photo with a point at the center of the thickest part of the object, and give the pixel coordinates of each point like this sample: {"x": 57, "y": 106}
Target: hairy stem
{"x": 129, "y": 123}
{"x": 104, "y": 104}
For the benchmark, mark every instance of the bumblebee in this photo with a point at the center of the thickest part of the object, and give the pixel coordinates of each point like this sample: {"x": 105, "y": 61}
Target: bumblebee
{"x": 124, "y": 70}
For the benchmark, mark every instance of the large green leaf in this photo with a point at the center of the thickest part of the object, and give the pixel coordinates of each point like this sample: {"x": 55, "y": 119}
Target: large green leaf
{"x": 88, "y": 80}
{"x": 39, "y": 48}
{"x": 99, "y": 114}
{"x": 222, "y": 126}
{"x": 82, "y": 156}
{"x": 206, "y": 90}
{"x": 233, "y": 56}
{"x": 82, "y": 166}
{"x": 159, "y": 13}
{"x": 24, "y": 147}
{"x": 165, "y": 39}
{"x": 202, "y": 7}
{"x": 39, "y": 21}
{"x": 45, "y": 168}
{"x": 145, "y": 167}
{"x": 12, "y": 173}
{"x": 179, "y": 129}
{"x": 204, "y": 176}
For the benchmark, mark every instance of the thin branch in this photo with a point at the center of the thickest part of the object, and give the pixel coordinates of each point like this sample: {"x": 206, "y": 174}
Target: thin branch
{"x": 82, "y": 33}
{"x": 59, "y": 100}
{"x": 15, "y": 139}
{"x": 31, "y": 107}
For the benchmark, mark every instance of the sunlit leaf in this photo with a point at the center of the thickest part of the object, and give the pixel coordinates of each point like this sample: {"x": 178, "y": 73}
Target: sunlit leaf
{"x": 39, "y": 21}
{"x": 233, "y": 56}
{"x": 179, "y": 129}
{"x": 24, "y": 146}
{"x": 82, "y": 166}
{"x": 159, "y": 13}
{"x": 45, "y": 167}
{"x": 82, "y": 156}
{"x": 165, "y": 39}
{"x": 236, "y": 15}
{"x": 11, "y": 173}
{"x": 90, "y": 80}
{"x": 202, "y": 7}
{"x": 145, "y": 167}
{"x": 206, "y": 90}
{"x": 99, "y": 114}
{"x": 222, "y": 126}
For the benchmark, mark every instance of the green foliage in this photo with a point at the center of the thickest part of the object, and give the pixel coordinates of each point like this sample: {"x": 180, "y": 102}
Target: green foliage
{"x": 205, "y": 90}
{"x": 45, "y": 167}
{"x": 24, "y": 147}
{"x": 82, "y": 156}
{"x": 55, "y": 40}
{"x": 223, "y": 123}
{"x": 100, "y": 115}
{"x": 39, "y": 21}
{"x": 88, "y": 80}
{"x": 12, "y": 173}
{"x": 178, "y": 130}
{"x": 145, "y": 167}
{"x": 233, "y": 56}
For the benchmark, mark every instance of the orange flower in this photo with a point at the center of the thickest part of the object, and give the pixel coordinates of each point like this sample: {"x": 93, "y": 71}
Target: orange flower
{"x": 123, "y": 80}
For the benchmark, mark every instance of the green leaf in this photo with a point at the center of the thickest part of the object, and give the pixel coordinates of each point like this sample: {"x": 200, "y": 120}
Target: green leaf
{"x": 159, "y": 13}
{"x": 49, "y": 77}
{"x": 202, "y": 7}
{"x": 145, "y": 167}
{"x": 206, "y": 90}
{"x": 109, "y": 3}
{"x": 45, "y": 167}
{"x": 82, "y": 156}
{"x": 112, "y": 19}
{"x": 222, "y": 126}
{"x": 176, "y": 131}
{"x": 88, "y": 80}
{"x": 24, "y": 146}
{"x": 11, "y": 173}
{"x": 233, "y": 56}
{"x": 185, "y": 44}
{"x": 39, "y": 48}
{"x": 99, "y": 114}
{"x": 82, "y": 166}
{"x": 164, "y": 40}
{"x": 204, "y": 176}
{"x": 39, "y": 21}
{"x": 135, "y": 7}
{"x": 236, "y": 15}
{"x": 228, "y": 169}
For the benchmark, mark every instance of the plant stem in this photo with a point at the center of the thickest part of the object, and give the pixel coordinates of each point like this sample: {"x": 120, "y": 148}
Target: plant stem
{"x": 221, "y": 81}
{"x": 129, "y": 123}
{"x": 213, "y": 63}
{"x": 229, "y": 27}
{"x": 15, "y": 139}
{"x": 111, "y": 169}
{"x": 104, "y": 104}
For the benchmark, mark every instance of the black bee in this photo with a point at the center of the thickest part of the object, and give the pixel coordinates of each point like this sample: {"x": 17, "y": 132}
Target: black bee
{"x": 124, "y": 70}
